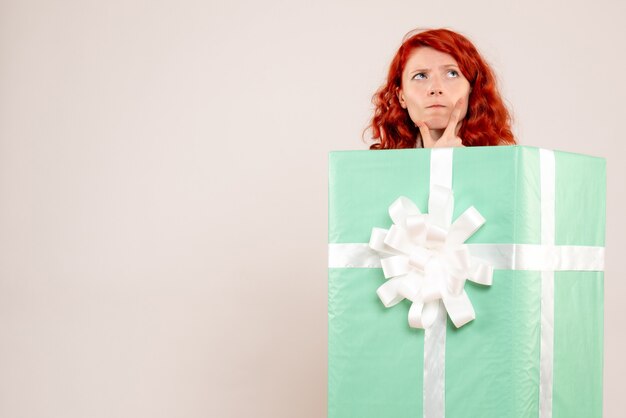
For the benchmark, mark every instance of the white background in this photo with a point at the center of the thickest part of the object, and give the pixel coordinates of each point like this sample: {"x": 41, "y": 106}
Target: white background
{"x": 163, "y": 185}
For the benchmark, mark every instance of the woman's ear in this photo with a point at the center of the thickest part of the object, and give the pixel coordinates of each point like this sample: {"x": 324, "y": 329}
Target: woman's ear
{"x": 400, "y": 95}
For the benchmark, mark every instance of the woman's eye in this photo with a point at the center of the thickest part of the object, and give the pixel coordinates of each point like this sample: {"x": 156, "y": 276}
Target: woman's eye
{"x": 419, "y": 76}
{"x": 453, "y": 73}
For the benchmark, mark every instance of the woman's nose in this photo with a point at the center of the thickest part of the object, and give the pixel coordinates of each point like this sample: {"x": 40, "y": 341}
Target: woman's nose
{"x": 435, "y": 87}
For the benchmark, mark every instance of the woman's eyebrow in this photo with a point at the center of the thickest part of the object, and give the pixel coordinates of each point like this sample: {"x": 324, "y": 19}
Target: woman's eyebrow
{"x": 425, "y": 70}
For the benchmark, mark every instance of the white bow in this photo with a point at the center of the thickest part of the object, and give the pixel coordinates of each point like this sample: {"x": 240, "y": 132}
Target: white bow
{"x": 424, "y": 258}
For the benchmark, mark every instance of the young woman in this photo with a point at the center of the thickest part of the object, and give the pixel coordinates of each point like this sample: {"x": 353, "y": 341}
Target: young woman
{"x": 439, "y": 93}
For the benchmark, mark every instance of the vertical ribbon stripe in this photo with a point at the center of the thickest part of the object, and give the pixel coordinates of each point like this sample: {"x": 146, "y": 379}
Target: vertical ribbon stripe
{"x": 546, "y": 361}
{"x": 435, "y": 366}
{"x": 441, "y": 168}
{"x": 435, "y": 336}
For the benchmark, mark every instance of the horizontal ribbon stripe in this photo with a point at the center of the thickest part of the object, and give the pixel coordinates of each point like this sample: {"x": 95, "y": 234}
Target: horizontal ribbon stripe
{"x": 500, "y": 256}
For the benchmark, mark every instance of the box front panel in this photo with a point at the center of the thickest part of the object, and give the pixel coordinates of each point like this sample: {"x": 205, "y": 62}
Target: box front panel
{"x": 375, "y": 359}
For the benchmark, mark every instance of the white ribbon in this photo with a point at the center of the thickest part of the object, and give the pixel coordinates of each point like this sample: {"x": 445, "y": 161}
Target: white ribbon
{"x": 424, "y": 260}
{"x": 546, "y": 354}
{"x": 434, "y": 392}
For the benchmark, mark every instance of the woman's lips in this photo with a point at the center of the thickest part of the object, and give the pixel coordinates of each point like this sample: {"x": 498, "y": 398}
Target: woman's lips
{"x": 434, "y": 106}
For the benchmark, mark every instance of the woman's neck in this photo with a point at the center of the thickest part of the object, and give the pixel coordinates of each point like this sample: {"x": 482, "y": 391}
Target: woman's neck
{"x": 434, "y": 133}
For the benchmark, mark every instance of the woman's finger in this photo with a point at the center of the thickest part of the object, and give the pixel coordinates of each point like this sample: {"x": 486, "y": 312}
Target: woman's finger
{"x": 427, "y": 140}
{"x": 449, "y": 142}
{"x": 450, "y": 131}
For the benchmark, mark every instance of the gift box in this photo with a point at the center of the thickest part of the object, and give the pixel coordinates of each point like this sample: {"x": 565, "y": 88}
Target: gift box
{"x": 530, "y": 342}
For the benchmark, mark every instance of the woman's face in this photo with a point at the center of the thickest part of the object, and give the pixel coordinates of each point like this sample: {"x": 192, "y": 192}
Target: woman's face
{"x": 431, "y": 84}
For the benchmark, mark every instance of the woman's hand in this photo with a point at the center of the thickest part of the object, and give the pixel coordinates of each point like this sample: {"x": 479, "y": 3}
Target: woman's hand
{"x": 448, "y": 138}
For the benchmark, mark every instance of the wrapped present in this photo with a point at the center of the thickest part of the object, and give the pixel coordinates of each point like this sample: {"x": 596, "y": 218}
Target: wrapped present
{"x": 465, "y": 282}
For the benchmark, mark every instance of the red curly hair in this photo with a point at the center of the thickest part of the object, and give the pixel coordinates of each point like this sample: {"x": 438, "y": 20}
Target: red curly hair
{"x": 487, "y": 121}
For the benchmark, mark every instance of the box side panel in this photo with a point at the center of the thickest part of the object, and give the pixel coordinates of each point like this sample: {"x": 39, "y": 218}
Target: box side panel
{"x": 579, "y": 296}
{"x": 578, "y": 344}
{"x": 580, "y": 199}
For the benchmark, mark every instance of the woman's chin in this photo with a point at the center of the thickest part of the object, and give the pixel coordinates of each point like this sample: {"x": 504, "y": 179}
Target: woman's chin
{"x": 437, "y": 124}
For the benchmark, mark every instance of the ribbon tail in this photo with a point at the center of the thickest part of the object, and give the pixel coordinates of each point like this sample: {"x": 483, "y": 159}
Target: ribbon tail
{"x": 396, "y": 265}
{"x": 388, "y": 293}
{"x": 410, "y": 286}
{"x": 459, "y": 309}
{"x": 435, "y": 366}
{"x": 430, "y": 313}
{"x": 482, "y": 273}
{"x": 415, "y": 315}
{"x": 465, "y": 226}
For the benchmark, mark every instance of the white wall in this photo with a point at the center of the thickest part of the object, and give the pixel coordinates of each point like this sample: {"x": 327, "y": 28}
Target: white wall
{"x": 163, "y": 180}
